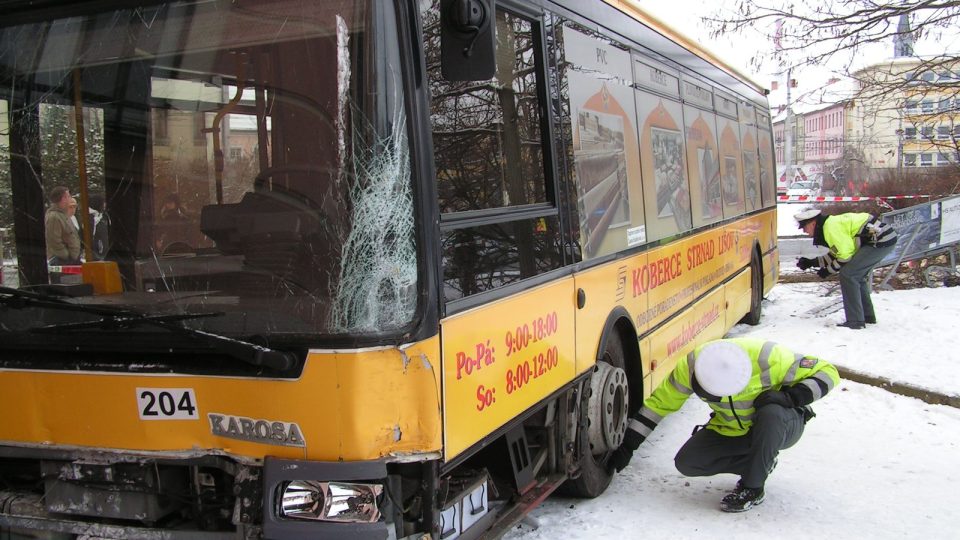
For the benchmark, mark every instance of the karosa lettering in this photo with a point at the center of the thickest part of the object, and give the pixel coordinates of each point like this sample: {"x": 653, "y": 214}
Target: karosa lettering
{"x": 256, "y": 430}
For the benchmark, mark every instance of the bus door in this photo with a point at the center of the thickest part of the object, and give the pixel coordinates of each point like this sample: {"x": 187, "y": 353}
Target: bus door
{"x": 509, "y": 334}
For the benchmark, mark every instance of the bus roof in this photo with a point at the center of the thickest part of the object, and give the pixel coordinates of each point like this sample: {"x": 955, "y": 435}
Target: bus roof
{"x": 662, "y": 40}
{"x": 633, "y": 9}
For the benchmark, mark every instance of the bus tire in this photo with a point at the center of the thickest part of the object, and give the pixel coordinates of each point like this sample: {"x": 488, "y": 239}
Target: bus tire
{"x": 606, "y": 422}
{"x": 756, "y": 291}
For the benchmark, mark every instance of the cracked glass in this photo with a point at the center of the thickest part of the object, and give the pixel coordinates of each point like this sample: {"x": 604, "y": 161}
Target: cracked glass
{"x": 243, "y": 158}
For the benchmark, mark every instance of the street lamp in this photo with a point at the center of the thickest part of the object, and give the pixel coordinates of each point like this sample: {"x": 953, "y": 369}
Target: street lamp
{"x": 899, "y": 151}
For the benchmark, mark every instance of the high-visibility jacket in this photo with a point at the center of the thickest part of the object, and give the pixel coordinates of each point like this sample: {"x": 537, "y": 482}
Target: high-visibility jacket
{"x": 774, "y": 368}
{"x": 843, "y": 234}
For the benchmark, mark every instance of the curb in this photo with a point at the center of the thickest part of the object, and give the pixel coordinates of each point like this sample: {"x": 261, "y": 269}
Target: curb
{"x": 924, "y": 394}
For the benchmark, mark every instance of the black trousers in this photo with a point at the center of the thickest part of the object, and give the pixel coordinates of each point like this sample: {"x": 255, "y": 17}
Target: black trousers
{"x": 751, "y": 456}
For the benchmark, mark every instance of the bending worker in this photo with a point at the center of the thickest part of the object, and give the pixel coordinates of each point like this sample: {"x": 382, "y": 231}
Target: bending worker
{"x": 759, "y": 393}
{"x": 857, "y": 243}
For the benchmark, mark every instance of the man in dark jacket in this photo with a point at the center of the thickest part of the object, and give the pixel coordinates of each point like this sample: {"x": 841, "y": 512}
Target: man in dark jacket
{"x": 62, "y": 238}
{"x": 857, "y": 243}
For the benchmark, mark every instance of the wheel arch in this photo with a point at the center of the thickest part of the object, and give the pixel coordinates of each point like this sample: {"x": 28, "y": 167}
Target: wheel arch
{"x": 752, "y": 317}
{"x": 619, "y": 321}
{"x": 758, "y": 253}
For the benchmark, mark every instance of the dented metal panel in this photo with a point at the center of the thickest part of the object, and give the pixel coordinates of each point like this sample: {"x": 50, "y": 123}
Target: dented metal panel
{"x": 345, "y": 406}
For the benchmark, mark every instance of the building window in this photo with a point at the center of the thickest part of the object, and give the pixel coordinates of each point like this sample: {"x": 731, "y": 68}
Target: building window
{"x": 910, "y": 106}
{"x": 909, "y": 160}
{"x": 926, "y": 106}
{"x": 236, "y": 152}
{"x": 910, "y": 133}
{"x": 943, "y": 132}
{"x": 926, "y": 159}
{"x": 927, "y": 133}
{"x": 944, "y": 105}
{"x": 943, "y": 159}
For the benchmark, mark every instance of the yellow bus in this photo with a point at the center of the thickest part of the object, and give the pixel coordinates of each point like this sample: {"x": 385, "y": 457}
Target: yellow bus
{"x": 354, "y": 268}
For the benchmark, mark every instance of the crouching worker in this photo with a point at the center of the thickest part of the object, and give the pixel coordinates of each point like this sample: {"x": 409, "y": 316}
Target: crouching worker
{"x": 760, "y": 394}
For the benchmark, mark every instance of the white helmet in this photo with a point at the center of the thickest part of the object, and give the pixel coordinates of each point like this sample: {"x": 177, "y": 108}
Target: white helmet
{"x": 804, "y": 216}
{"x": 722, "y": 368}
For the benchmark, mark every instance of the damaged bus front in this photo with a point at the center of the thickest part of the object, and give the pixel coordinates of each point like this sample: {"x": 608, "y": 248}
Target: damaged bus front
{"x": 210, "y": 261}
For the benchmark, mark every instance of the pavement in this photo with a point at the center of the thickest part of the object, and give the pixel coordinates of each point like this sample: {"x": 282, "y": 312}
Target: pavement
{"x": 904, "y": 389}
{"x": 790, "y": 275}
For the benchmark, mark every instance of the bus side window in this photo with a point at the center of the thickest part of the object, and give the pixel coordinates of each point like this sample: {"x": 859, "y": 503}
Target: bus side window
{"x": 490, "y": 163}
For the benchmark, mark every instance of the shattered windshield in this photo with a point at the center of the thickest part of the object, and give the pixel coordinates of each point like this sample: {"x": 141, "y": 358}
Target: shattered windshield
{"x": 238, "y": 157}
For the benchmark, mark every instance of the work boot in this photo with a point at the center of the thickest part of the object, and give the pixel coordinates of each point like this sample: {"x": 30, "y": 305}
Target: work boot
{"x": 741, "y": 499}
{"x": 853, "y": 325}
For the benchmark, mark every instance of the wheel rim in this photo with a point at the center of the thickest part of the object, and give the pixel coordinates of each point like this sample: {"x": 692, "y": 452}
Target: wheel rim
{"x": 607, "y": 408}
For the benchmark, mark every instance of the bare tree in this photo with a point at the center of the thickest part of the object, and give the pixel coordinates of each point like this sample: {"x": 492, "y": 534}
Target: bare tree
{"x": 818, "y": 32}
{"x": 907, "y": 99}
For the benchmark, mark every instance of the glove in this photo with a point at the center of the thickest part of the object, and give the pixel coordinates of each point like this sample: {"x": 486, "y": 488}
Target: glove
{"x": 774, "y": 397}
{"x": 823, "y": 273}
{"x": 805, "y": 262}
{"x": 619, "y": 459}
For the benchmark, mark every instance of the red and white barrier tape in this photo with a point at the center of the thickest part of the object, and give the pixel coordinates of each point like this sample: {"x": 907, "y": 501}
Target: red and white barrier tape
{"x": 814, "y": 198}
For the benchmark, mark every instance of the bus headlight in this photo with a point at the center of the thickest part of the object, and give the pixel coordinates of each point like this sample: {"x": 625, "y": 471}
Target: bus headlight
{"x": 330, "y": 501}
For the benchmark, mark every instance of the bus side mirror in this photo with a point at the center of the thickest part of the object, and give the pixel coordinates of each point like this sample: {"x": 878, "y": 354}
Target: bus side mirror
{"x": 467, "y": 39}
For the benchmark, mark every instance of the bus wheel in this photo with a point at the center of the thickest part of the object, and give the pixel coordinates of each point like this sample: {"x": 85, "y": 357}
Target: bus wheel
{"x": 606, "y": 422}
{"x": 756, "y": 291}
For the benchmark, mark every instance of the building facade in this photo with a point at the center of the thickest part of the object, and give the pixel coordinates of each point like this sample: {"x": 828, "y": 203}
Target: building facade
{"x": 907, "y": 114}
{"x": 823, "y": 140}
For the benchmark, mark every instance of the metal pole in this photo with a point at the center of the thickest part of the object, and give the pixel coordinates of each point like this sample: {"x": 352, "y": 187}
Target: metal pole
{"x": 900, "y": 149}
{"x": 83, "y": 212}
{"x": 788, "y": 138}
{"x": 896, "y": 264}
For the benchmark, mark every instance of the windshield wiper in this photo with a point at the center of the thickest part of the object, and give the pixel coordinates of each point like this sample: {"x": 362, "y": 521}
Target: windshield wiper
{"x": 117, "y": 318}
{"x": 128, "y": 320}
{"x": 20, "y": 299}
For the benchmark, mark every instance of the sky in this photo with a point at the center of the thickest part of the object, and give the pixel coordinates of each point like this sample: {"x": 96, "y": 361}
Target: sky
{"x": 872, "y": 464}
{"x": 737, "y": 50}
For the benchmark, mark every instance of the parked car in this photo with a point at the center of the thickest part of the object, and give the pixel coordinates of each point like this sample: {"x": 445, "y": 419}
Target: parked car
{"x": 783, "y": 182}
{"x": 803, "y": 187}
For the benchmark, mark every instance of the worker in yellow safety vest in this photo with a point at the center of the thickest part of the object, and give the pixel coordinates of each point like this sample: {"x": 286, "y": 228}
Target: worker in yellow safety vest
{"x": 759, "y": 393}
{"x": 858, "y": 242}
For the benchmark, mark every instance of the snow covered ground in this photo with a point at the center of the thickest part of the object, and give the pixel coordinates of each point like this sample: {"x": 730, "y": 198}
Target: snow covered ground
{"x": 872, "y": 464}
